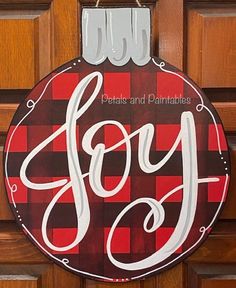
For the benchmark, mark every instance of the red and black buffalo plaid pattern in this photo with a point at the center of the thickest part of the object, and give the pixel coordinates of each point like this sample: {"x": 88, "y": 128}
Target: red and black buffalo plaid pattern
{"x": 130, "y": 242}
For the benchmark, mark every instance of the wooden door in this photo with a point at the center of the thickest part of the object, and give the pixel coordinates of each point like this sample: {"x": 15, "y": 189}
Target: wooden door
{"x": 198, "y": 37}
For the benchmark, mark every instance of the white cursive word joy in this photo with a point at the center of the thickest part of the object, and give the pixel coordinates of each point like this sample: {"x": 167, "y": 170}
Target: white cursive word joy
{"x": 186, "y": 136}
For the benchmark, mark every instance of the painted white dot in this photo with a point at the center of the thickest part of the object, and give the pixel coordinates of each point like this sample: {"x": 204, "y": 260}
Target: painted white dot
{"x": 226, "y": 169}
{"x": 79, "y": 61}
{"x": 74, "y": 64}
{"x": 222, "y": 158}
{"x": 225, "y": 162}
{"x": 17, "y": 211}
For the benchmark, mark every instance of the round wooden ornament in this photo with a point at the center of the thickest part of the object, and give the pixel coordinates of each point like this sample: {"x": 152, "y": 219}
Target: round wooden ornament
{"x": 116, "y": 173}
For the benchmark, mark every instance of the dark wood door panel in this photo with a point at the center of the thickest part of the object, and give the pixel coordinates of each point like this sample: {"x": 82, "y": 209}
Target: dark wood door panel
{"x": 34, "y": 39}
{"x": 218, "y": 282}
{"x": 227, "y": 113}
{"x": 37, "y": 275}
{"x": 171, "y": 32}
{"x": 220, "y": 246}
{"x": 211, "y": 46}
{"x": 22, "y": 282}
{"x": 63, "y": 278}
{"x": 25, "y": 47}
{"x": 18, "y": 275}
{"x": 5, "y": 211}
{"x": 212, "y": 276}
{"x": 6, "y": 114}
{"x": 16, "y": 248}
